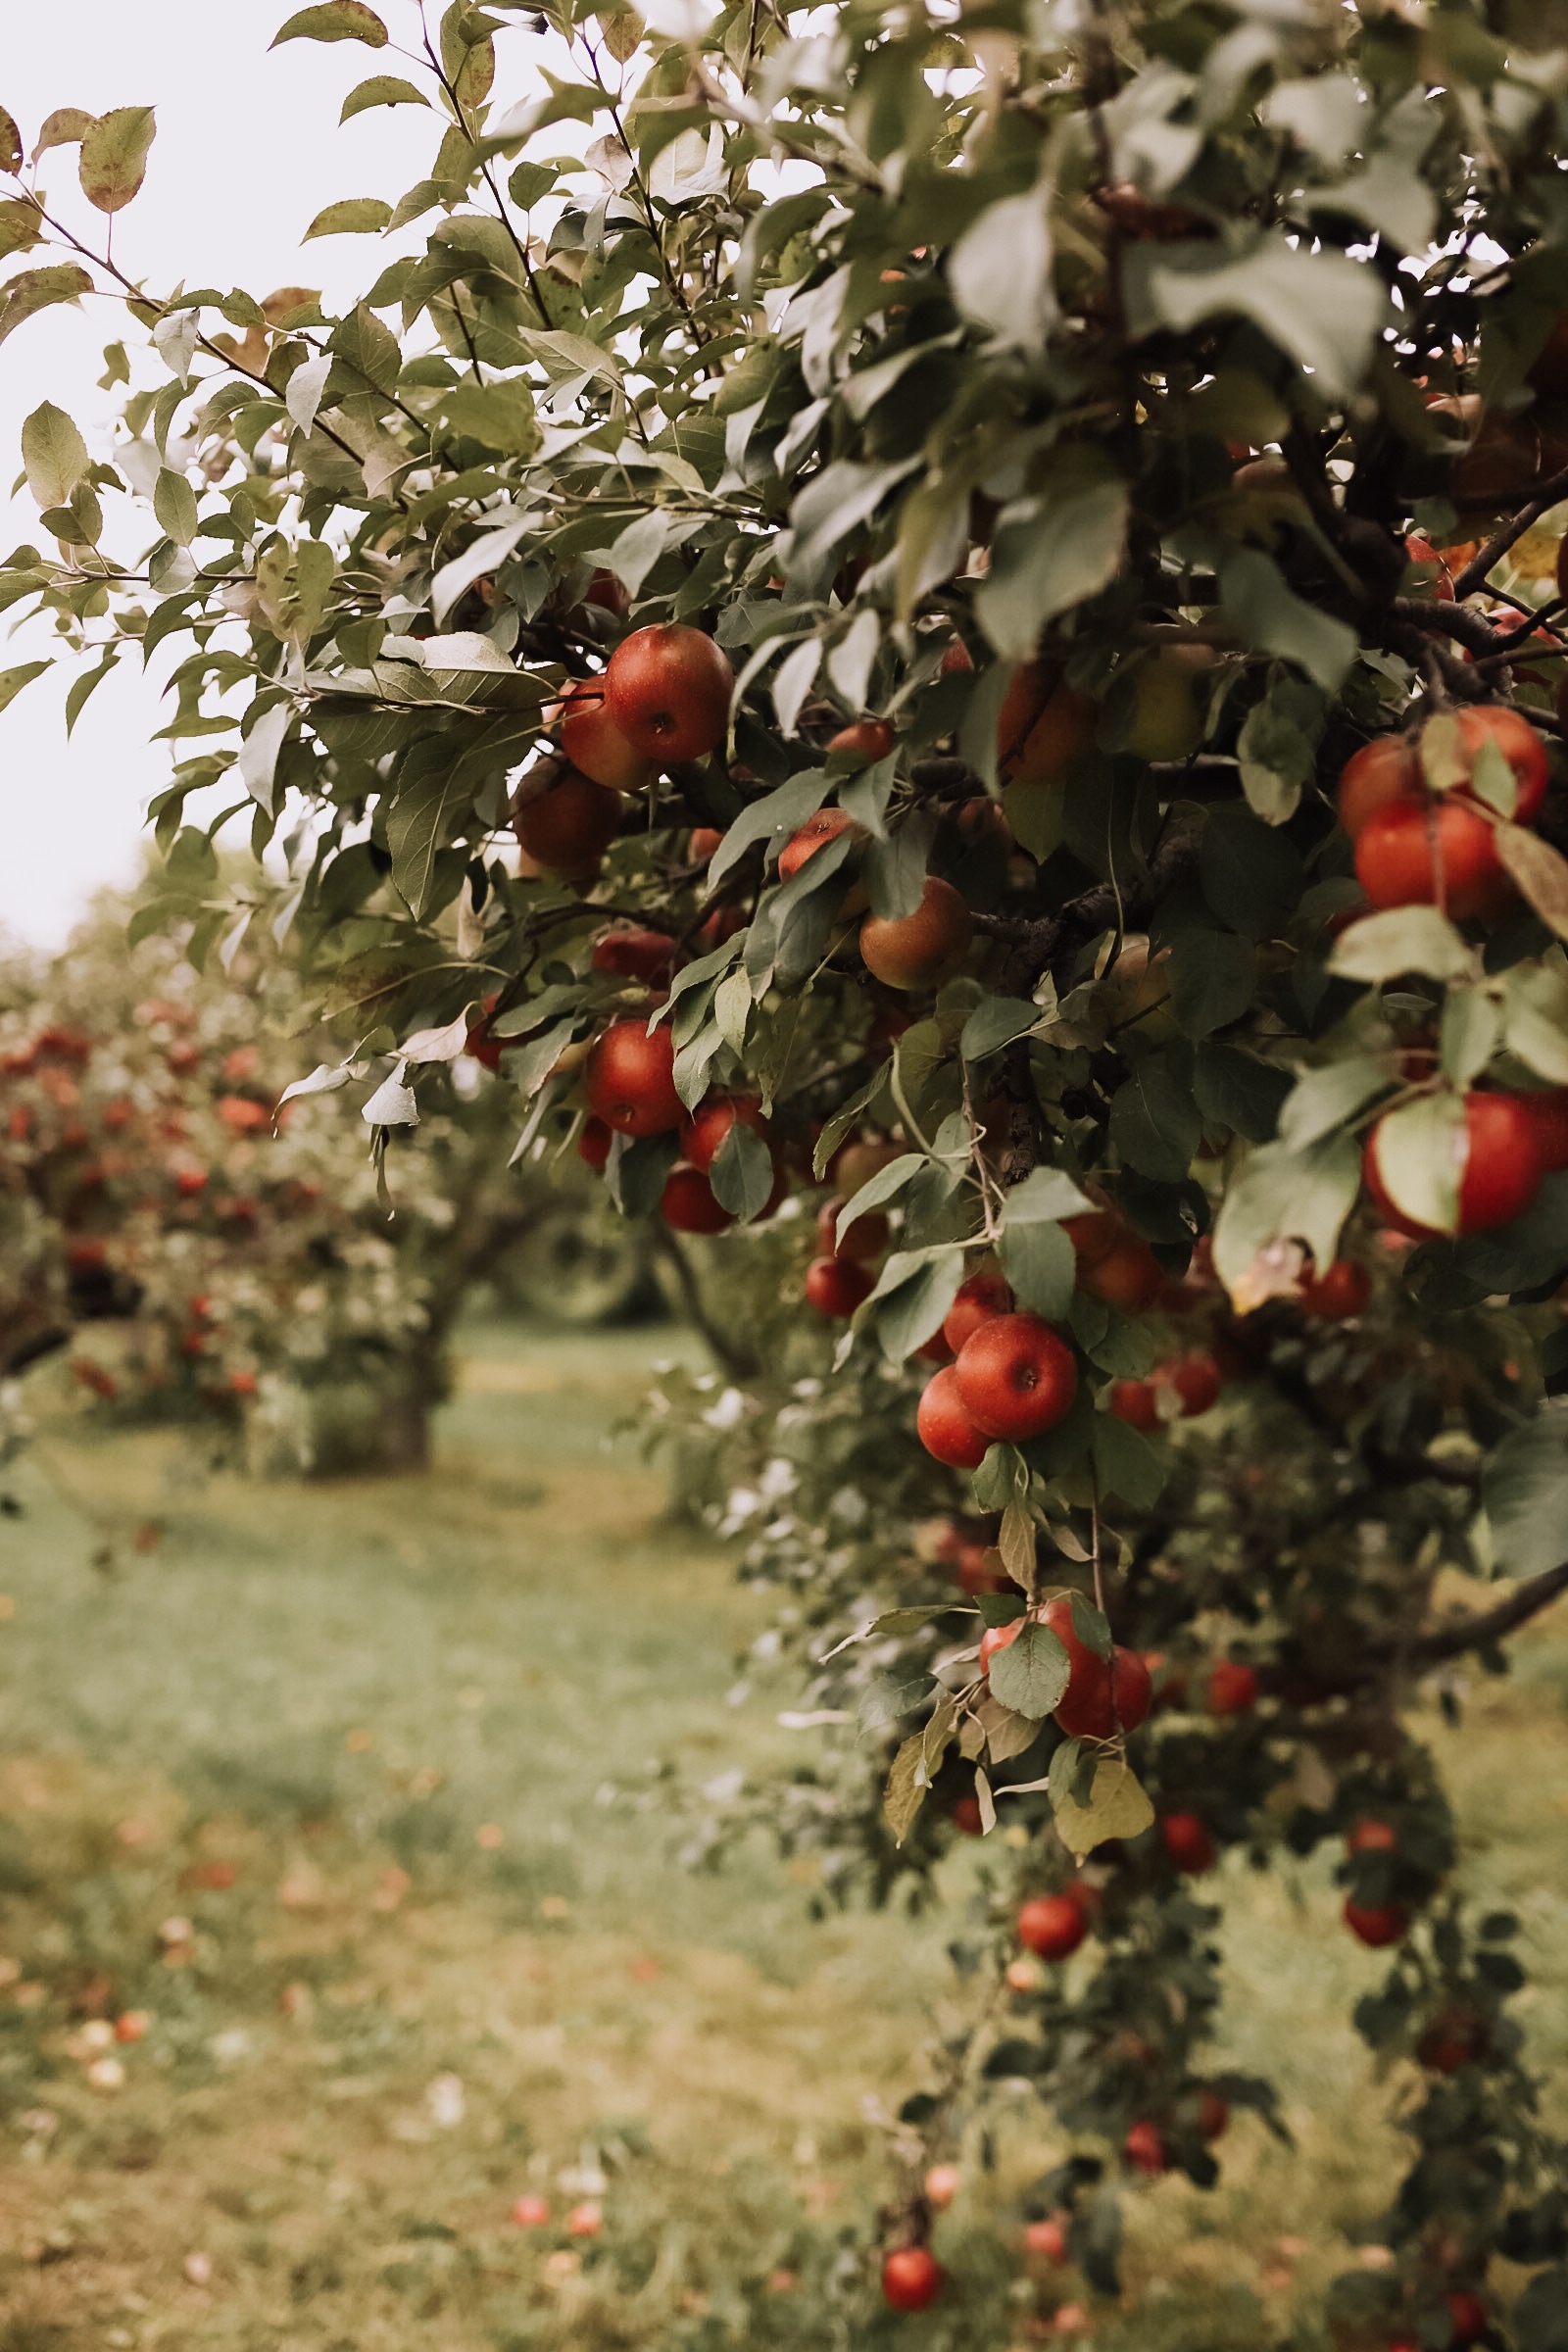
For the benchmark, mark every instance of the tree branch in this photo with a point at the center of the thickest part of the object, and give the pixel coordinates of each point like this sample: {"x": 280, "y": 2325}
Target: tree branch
{"x": 1526, "y": 1600}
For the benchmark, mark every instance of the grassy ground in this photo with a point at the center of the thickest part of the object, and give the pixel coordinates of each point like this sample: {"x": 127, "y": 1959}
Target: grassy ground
{"x": 325, "y": 1779}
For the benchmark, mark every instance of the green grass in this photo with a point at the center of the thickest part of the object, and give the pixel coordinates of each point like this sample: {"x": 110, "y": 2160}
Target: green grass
{"x": 416, "y": 1724}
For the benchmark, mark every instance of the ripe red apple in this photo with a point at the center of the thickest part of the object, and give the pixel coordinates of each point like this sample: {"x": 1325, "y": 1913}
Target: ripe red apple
{"x": 979, "y": 1298}
{"x": 713, "y": 1120}
{"x": 955, "y": 661}
{"x": 836, "y": 1286}
{"x": 647, "y": 955}
{"x": 1213, "y": 2114}
{"x": 944, "y": 1424}
{"x": 1376, "y": 1923}
{"x": 668, "y": 688}
{"x": 1343, "y": 1290}
{"x": 1114, "y": 1263}
{"x": 563, "y": 821}
{"x": 869, "y": 740}
{"x": 1454, "y": 2038}
{"x": 592, "y": 743}
{"x": 999, "y": 1637}
{"x": 1232, "y": 1688}
{"x": 968, "y": 1816}
{"x": 1046, "y": 2239}
{"x": 911, "y": 2278}
{"x": 1548, "y": 1113}
{"x": 585, "y": 2220}
{"x": 702, "y": 842}
{"x": 1397, "y": 866}
{"x": 688, "y": 1204}
{"x": 1420, "y": 552}
{"x": 1500, "y": 1172}
{"x": 1135, "y": 1402}
{"x": 1368, "y": 1836}
{"x": 1043, "y": 726}
{"x": 1145, "y": 2149}
{"x": 1103, "y": 1694}
{"x": 1051, "y": 1925}
{"x": 917, "y": 950}
{"x": 1385, "y": 770}
{"x": 1195, "y": 1381}
{"x": 132, "y": 2025}
{"x": 531, "y": 2213}
{"x": 805, "y": 841}
{"x": 1188, "y": 1845}
{"x": 1467, "y": 2316}
{"x": 1015, "y": 1377}
{"x": 1519, "y": 743}
{"x": 629, "y": 1080}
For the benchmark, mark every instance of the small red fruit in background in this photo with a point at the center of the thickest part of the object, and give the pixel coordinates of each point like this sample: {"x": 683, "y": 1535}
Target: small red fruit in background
{"x": 1213, "y": 2115}
{"x": 1376, "y": 1923}
{"x": 1400, "y": 850}
{"x": 1516, "y": 739}
{"x": 997, "y": 1637}
{"x": 1451, "y": 2039}
{"x": 478, "y": 1044}
{"x": 1135, "y": 1402}
{"x": 668, "y": 688}
{"x": 1188, "y": 1845}
{"x": 713, "y": 1121}
{"x": 1195, "y": 1381}
{"x": 531, "y": 2213}
{"x": 836, "y": 1286}
{"x": 585, "y": 2220}
{"x": 1051, "y": 1925}
{"x": 942, "y": 2186}
{"x": 132, "y": 2025}
{"x": 1343, "y": 1290}
{"x": 1467, "y": 2316}
{"x": 688, "y": 1202}
{"x": 1371, "y": 1837}
{"x": 630, "y": 1081}
{"x": 648, "y": 956}
{"x": 1381, "y": 772}
{"x": 1143, "y": 2148}
{"x": 567, "y": 825}
{"x": 869, "y": 739}
{"x": 911, "y": 2278}
{"x": 865, "y": 1239}
{"x": 955, "y": 661}
{"x": 816, "y": 832}
{"x": 1232, "y": 1688}
{"x": 1015, "y": 1377}
{"x": 1500, "y": 1172}
{"x": 1046, "y": 2239}
{"x": 968, "y": 1816}
{"x": 944, "y": 1425}
{"x": 979, "y": 1298}
{"x": 1103, "y": 1694}
{"x": 917, "y": 950}
{"x": 594, "y": 1142}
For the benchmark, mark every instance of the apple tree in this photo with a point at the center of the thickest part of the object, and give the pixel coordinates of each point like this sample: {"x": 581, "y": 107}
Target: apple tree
{"x": 964, "y": 606}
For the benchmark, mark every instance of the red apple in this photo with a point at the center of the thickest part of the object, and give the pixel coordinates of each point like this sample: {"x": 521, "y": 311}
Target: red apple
{"x": 668, "y": 688}
{"x": 592, "y": 743}
{"x": 1051, "y": 1925}
{"x": 629, "y": 1080}
{"x": 911, "y": 2278}
{"x": 1015, "y": 1377}
{"x": 944, "y": 1424}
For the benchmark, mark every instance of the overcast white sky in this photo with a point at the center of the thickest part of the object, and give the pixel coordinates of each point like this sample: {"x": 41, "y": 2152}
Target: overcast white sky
{"x": 247, "y": 150}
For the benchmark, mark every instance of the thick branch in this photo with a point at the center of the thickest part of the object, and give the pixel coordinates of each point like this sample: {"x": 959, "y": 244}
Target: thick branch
{"x": 1526, "y": 1600}
{"x": 1497, "y": 547}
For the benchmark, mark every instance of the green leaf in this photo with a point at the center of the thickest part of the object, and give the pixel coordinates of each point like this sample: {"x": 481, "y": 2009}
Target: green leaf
{"x": 1118, "y": 1807}
{"x": 67, "y": 127}
{"x": 1524, "y": 1492}
{"x": 352, "y": 217}
{"x": 39, "y": 290}
{"x": 417, "y": 827}
{"x": 21, "y": 226}
{"x": 12, "y": 681}
{"x": 779, "y": 813}
{"x": 54, "y": 453}
{"x": 1324, "y": 310}
{"x": 368, "y": 348}
{"x": 334, "y": 21}
{"x": 1213, "y": 979}
{"x": 1325, "y": 1099}
{"x": 993, "y": 1023}
{"x": 1420, "y": 1157}
{"x": 1000, "y": 274}
{"x": 1126, "y": 1464}
{"x": 1535, "y": 1020}
{"x": 1233, "y": 1089}
{"x": 499, "y": 415}
{"x": 742, "y": 1173}
{"x": 879, "y": 1188}
{"x": 911, "y": 1299}
{"x": 1051, "y": 553}
{"x": 1155, "y": 1124}
{"x": 1045, "y": 1197}
{"x": 1470, "y": 1028}
{"x": 174, "y": 504}
{"x": 1401, "y": 939}
{"x": 1038, "y": 1260}
{"x": 11, "y": 149}
{"x": 1540, "y": 871}
{"x": 1251, "y": 875}
{"x": 1031, "y": 1674}
{"x": 1269, "y": 615}
{"x": 1279, "y": 1196}
{"x": 1278, "y": 745}
{"x": 382, "y": 89}
{"x": 114, "y": 156}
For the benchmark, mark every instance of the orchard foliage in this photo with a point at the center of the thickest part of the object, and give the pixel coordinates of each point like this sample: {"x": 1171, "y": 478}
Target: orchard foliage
{"x": 908, "y": 517}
